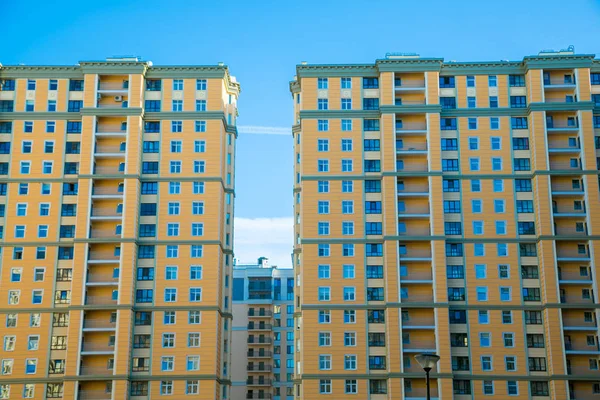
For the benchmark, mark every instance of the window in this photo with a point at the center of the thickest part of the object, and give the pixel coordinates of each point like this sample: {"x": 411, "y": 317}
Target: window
{"x": 371, "y": 144}
{"x": 471, "y": 102}
{"x": 537, "y": 364}
{"x": 470, "y": 81}
{"x": 325, "y": 386}
{"x": 371, "y": 104}
{"x": 370, "y": 83}
{"x": 448, "y": 103}
{"x": 446, "y": 82}
{"x": 449, "y": 165}
{"x": 485, "y": 339}
{"x": 473, "y": 143}
{"x": 452, "y": 228}
{"x": 486, "y": 363}
{"x": 518, "y": 122}
{"x": 372, "y": 166}
{"x": 516, "y": 80}
{"x": 452, "y": 144}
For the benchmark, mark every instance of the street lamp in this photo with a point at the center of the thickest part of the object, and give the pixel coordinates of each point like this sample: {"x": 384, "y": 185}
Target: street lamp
{"x": 427, "y": 361}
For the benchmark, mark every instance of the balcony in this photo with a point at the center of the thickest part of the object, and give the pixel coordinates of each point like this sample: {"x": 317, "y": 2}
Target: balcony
{"x": 400, "y": 102}
{"x": 565, "y": 166}
{"x": 411, "y": 128}
{"x": 259, "y": 341}
{"x": 403, "y": 167}
{"x": 421, "y": 393}
{"x": 100, "y": 301}
{"x": 581, "y": 349}
{"x": 106, "y": 193}
{"x": 417, "y": 277}
{"x": 414, "y": 214}
{"x": 569, "y": 231}
{"x": 259, "y": 287}
{"x": 420, "y": 323}
{"x": 96, "y": 348}
{"x": 258, "y": 382}
{"x": 574, "y": 256}
{"x": 561, "y": 127}
{"x": 559, "y": 84}
{"x": 108, "y": 170}
{"x": 416, "y": 256}
{"x": 259, "y": 354}
{"x": 411, "y": 148}
{"x": 569, "y": 213}
{"x": 579, "y": 325}
{"x": 417, "y": 298}
{"x": 258, "y": 368}
{"x": 109, "y": 152}
{"x": 563, "y": 147}
{"x": 575, "y": 299}
{"x": 100, "y": 371}
{"x": 98, "y": 325}
{"x": 408, "y": 86}
{"x": 94, "y": 395}
{"x": 574, "y": 278}
{"x": 105, "y": 214}
{"x": 415, "y": 231}
{"x": 96, "y": 279}
{"x": 419, "y": 346}
{"x": 260, "y": 314}
{"x": 104, "y": 234}
{"x": 110, "y": 133}
{"x": 580, "y": 370}
{"x": 116, "y": 88}
{"x": 416, "y": 190}
{"x": 259, "y": 327}
{"x": 102, "y": 258}
{"x": 259, "y": 396}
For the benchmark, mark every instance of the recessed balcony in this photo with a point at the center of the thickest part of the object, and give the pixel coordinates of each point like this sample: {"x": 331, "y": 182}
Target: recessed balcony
{"x": 561, "y": 127}
{"x": 411, "y": 148}
{"x": 419, "y": 346}
{"x": 100, "y": 301}
{"x": 409, "y": 86}
{"x": 417, "y": 298}
{"x": 259, "y": 341}
{"x": 107, "y": 192}
{"x": 581, "y": 349}
{"x": 113, "y": 88}
{"x": 411, "y": 128}
{"x": 93, "y": 395}
{"x": 259, "y": 327}
{"x": 98, "y": 325}
{"x": 111, "y": 133}
{"x": 110, "y": 151}
{"x": 258, "y": 382}
{"x": 556, "y": 83}
{"x": 259, "y": 314}
{"x": 97, "y": 279}
{"x": 259, "y": 354}
{"x": 417, "y": 277}
{"x": 96, "y": 348}
{"x": 581, "y": 325}
{"x": 109, "y": 170}
{"x": 419, "y": 323}
{"x": 99, "y": 371}
{"x": 258, "y": 368}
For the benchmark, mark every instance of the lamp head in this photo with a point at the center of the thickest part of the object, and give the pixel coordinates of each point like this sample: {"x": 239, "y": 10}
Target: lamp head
{"x": 427, "y": 360}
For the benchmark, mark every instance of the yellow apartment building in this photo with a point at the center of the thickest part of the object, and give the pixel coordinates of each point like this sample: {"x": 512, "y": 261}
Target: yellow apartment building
{"x": 116, "y": 214}
{"x": 262, "y": 331}
{"x": 447, "y": 207}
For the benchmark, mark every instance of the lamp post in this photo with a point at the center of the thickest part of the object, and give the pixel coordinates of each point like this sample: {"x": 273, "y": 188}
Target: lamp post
{"x": 427, "y": 361}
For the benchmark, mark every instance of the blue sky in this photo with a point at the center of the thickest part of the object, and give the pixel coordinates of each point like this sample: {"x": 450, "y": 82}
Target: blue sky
{"x": 262, "y": 41}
